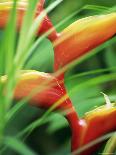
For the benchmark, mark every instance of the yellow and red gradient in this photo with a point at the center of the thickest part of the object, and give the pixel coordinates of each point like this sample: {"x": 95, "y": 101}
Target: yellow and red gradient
{"x": 76, "y": 40}
{"x": 5, "y": 8}
{"x": 45, "y": 26}
{"x": 49, "y": 90}
{"x": 46, "y": 90}
{"x": 82, "y": 36}
{"x": 95, "y": 124}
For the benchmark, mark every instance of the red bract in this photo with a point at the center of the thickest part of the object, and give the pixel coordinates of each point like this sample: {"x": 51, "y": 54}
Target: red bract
{"x": 46, "y": 24}
{"x": 49, "y": 89}
{"x": 73, "y": 42}
{"x": 95, "y": 124}
{"x": 82, "y": 36}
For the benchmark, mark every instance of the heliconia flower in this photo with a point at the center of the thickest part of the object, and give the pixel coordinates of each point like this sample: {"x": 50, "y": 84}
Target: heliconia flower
{"x": 76, "y": 40}
{"x": 50, "y": 90}
{"x": 5, "y": 8}
{"x": 46, "y": 89}
{"x": 95, "y": 124}
{"x": 82, "y": 36}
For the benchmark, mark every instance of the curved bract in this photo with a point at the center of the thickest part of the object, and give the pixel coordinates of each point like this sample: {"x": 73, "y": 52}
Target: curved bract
{"x": 43, "y": 88}
{"x": 82, "y": 36}
{"x": 5, "y": 8}
{"x": 93, "y": 125}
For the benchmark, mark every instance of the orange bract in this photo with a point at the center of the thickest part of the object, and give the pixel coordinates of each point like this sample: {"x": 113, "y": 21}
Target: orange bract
{"x": 95, "y": 124}
{"x": 43, "y": 88}
{"x": 82, "y": 36}
{"x": 5, "y": 9}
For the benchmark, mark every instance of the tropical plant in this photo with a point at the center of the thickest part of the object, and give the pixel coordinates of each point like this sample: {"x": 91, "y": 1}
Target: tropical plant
{"x": 48, "y": 90}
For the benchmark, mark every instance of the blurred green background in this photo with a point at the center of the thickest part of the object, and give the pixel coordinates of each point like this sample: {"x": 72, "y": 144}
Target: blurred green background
{"x": 53, "y": 137}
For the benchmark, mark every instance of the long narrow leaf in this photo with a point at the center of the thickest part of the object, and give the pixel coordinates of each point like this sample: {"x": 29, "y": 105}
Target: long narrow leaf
{"x": 18, "y": 146}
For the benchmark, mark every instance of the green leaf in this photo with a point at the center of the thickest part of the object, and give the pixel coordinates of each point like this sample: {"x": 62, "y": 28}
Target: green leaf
{"x": 110, "y": 147}
{"x": 18, "y": 146}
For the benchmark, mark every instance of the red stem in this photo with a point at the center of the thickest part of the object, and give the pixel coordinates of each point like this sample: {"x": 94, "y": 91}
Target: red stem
{"x": 73, "y": 120}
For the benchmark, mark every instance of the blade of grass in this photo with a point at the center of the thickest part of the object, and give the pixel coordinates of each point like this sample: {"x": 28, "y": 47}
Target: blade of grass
{"x": 93, "y": 72}
{"x": 9, "y": 49}
{"x": 22, "y": 56}
{"x": 10, "y": 38}
{"x": 96, "y": 8}
{"x": 110, "y": 147}
{"x": 7, "y": 54}
{"x": 18, "y": 146}
{"x": 27, "y": 23}
{"x": 96, "y": 141}
{"x": 94, "y": 81}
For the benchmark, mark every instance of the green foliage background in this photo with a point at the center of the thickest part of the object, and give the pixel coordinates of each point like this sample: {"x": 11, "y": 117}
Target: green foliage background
{"x": 53, "y": 136}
